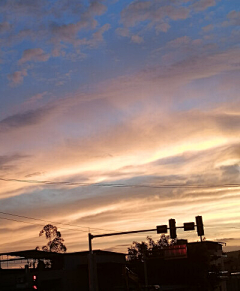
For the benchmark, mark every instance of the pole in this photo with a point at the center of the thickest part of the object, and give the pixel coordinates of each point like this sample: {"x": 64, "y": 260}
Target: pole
{"x": 145, "y": 270}
{"x": 91, "y": 276}
{"x": 125, "y": 232}
{"x": 92, "y": 268}
{"x": 93, "y": 286}
{"x": 90, "y": 237}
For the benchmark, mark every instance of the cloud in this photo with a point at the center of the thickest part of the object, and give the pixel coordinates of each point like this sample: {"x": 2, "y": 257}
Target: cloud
{"x": 164, "y": 27}
{"x": 95, "y": 206}
{"x": 156, "y": 80}
{"x": 98, "y": 35}
{"x": 233, "y": 14}
{"x": 21, "y": 8}
{"x": 123, "y": 31}
{"x": 34, "y": 55}
{"x": 225, "y": 239}
{"x": 231, "y": 173}
{"x": 98, "y": 210}
{"x": 68, "y": 32}
{"x": 17, "y": 77}
{"x": 157, "y": 15}
{"x": 76, "y": 155}
{"x": 208, "y": 27}
{"x": 51, "y": 26}
{"x": 99, "y": 137}
{"x": 180, "y": 41}
{"x": 137, "y": 39}
{"x": 209, "y": 65}
{"x": 96, "y": 8}
{"x": 11, "y": 38}
{"x": 10, "y": 162}
{"x": 36, "y": 97}
{"x": 4, "y": 27}
{"x": 176, "y": 13}
{"x": 233, "y": 19}
{"x": 201, "y": 5}
{"x": 153, "y": 12}
{"x": 34, "y": 174}
{"x": 24, "y": 119}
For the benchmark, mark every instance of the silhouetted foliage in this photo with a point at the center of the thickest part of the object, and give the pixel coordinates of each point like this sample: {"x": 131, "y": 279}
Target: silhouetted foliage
{"x": 195, "y": 270}
{"x": 55, "y": 241}
{"x": 139, "y": 250}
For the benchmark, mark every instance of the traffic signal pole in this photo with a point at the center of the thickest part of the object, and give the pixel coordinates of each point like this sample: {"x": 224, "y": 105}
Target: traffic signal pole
{"x": 92, "y": 270}
{"x": 93, "y": 286}
{"x": 120, "y": 233}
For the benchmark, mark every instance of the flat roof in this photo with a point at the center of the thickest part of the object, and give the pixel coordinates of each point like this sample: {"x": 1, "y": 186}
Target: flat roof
{"x": 37, "y": 254}
{"x": 30, "y": 254}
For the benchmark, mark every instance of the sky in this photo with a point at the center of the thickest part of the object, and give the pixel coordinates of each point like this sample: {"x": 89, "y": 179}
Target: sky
{"x": 135, "y": 104}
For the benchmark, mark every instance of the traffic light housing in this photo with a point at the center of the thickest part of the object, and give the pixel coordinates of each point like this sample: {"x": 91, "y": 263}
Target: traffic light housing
{"x": 199, "y": 222}
{"x": 188, "y": 226}
{"x": 172, "y": 228}
{"x": 162, "y": 229}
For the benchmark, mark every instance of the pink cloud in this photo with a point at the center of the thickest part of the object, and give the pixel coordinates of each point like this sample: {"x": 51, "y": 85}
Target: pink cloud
{"x": 233, "y": 19}
{"x": 34, "y": 55}
{"x": 34, "y": 99}
{"x": 96, "y": 8}
{"x": 137, "y": 39}
{"x": 164, "y": 27}
{"x": 4, "y": 27}
{"x": 176, "y": 13}
{"x": 123, "y": 31}
{"x": 183, "y": 40}
{"x": 17, "y": 77}
{"x": 233, "y": 14}
{"x": 208, "y": 28}
{"x": 98, "y": 35}
{"x": 153, "y": 12}
{"x": 67, "y": 32}
{"x": 201, "y": 5}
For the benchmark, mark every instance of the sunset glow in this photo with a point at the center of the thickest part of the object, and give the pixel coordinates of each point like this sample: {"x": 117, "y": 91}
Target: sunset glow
{"x": 116, "y": 116}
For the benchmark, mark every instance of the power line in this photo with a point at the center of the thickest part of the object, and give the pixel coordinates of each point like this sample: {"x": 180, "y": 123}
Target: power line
{"x": 119, "y": 185}
{"x": 37, "y": 223}
{"x": 27, "y": 222}
{"x": 54, "y": 222}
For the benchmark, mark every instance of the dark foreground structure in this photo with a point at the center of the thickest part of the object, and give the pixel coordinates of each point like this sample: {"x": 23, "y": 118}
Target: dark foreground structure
{"x": 47, "y": 271}
{"x": 185, "y": 267}
{"x": 182, "y": 267}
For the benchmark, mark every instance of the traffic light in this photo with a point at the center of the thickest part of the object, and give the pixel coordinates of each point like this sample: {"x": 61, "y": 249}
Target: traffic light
{"x": 188, "y": 226}
{"x": 172, "y": 227}
{"x": 199, "y": 223}
{"x": 34, "y": 282}
{"x": 162, "y": 229}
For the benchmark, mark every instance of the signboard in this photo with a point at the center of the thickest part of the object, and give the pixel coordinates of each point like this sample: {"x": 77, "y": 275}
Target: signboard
{"x": 175, "y": 252}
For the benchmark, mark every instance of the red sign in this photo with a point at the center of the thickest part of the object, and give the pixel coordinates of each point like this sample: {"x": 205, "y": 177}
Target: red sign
{"x": 175, "y": 252}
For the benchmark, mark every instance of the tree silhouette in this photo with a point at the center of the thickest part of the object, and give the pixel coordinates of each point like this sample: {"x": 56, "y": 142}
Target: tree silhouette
{"x": 140, "y": 250}
{"x": 55, "y": 241}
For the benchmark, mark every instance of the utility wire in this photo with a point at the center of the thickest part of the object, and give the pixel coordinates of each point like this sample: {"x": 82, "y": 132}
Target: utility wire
{"x": 205, "y": 226}
{"x": 54, "y": 222}
{"x": 68, "y": 183}
{"x": 38, "y": 224}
